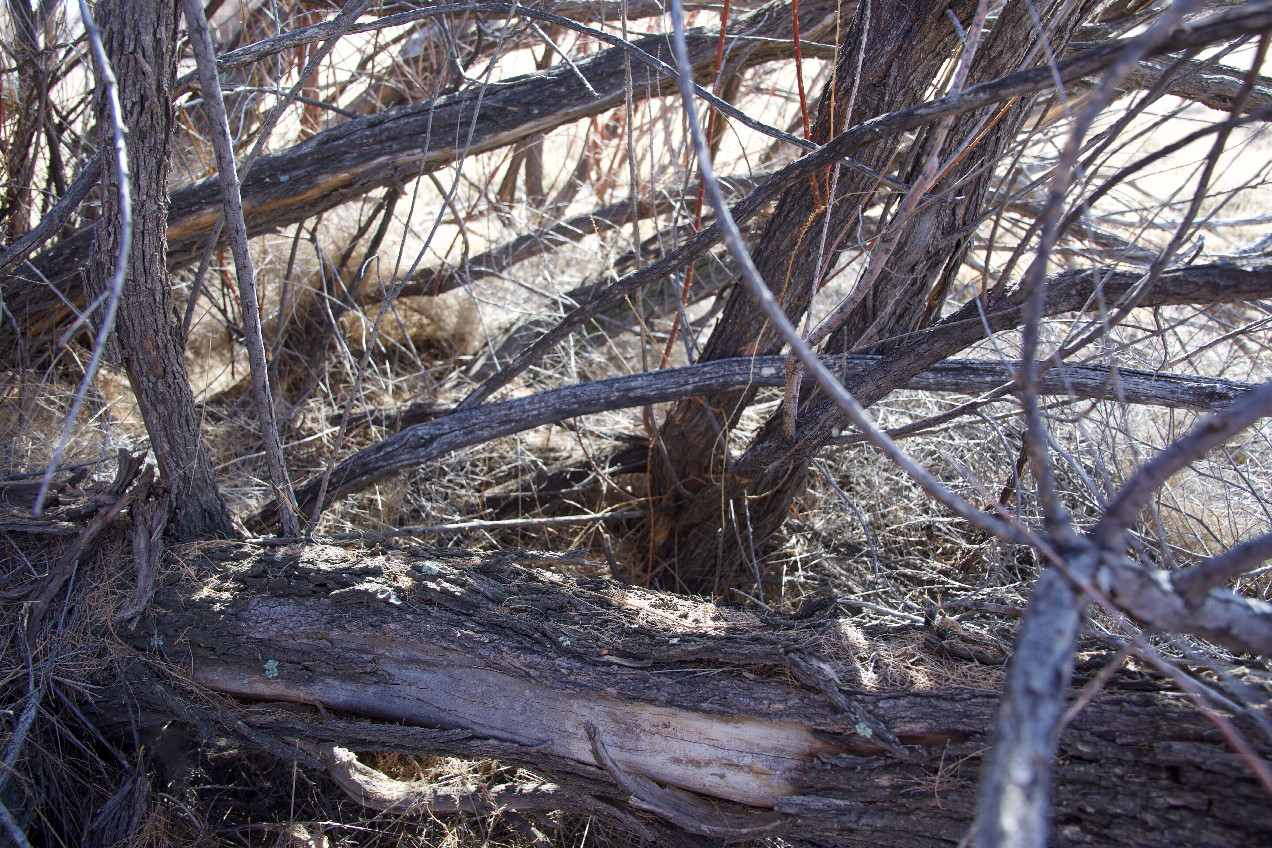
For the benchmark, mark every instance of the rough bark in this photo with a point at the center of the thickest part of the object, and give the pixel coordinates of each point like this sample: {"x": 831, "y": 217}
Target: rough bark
{"x": 812, "y": 728}
{"x": 397, "y": 146}
{"x": 140, "y": 39}
{"x": 900, "y": 48}
{"x": 700, "y": 548}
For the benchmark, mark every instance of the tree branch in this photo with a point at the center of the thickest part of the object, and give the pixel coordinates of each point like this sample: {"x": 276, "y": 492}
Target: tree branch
{"x": 456, "y": 429}
{"x": 232, "y": 210}
{"x": 1209, "y": 434}
{"x": 1194, "y": 582}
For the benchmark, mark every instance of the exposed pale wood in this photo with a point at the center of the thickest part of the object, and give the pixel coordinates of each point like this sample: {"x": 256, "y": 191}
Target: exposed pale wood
{"x": 445, "y": 653}
{"x": 375, "y": 789}
{"x": 399, "y": 145}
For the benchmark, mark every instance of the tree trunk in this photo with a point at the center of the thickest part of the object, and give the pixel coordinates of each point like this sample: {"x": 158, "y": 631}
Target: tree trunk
{"x": 703, "y": 544}
{"x": 811, "y": 728}
{"x": 141, "y": 40}
{"x": 899, "y": 49}
{"x": 394, "y": 147}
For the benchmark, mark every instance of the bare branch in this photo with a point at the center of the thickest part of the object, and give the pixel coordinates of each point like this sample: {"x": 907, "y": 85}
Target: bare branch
{"x": 376, "y": 790}
{"x": 345, "y": 162}
{"x": 1194, "y": 582}
{"x": 1209, "y": 434}
{"x": 1243, "y": 625}
{"x": 56, "y": 217}
{"x": 1016, "y": 778}
{"x": 459, "y": 428}
{"x": 1216, "y": 86}
{"x": 227, "y": 171}
{"x": 1249, "y": 18}
{"x": 611, "y": 216}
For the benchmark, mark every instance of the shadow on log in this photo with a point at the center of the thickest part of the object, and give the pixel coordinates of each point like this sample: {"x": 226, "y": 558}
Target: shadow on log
{"x": 811, "y": 728}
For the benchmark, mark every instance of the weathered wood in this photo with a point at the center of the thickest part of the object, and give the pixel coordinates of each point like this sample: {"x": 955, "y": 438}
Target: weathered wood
{"x": 765, "y": 465}
{"x": 402, "y": 144}
{"x": 446, "y": 653}
{"x": 870, "y": 378}
{"x": 442, "y": 431}
{"x": 963, "y": 376}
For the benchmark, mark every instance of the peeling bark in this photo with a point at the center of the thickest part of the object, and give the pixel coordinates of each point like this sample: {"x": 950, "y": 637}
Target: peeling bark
{"x": 399, "y": 145}
{"x": 440, "y": 652}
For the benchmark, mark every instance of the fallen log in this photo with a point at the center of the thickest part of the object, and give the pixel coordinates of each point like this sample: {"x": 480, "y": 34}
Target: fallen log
{"x": 726, "y": 722}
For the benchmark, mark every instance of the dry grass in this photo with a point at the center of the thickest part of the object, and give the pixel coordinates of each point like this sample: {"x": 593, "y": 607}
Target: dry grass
{"x": 863, "y": 532}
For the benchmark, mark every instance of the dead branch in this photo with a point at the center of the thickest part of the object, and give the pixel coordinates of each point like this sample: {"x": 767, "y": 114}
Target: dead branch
{"x": 347, "y": 161}
{"x": 1194, "y": 582}
{"x": 869, "y": 376}
{"x": 1212, "y": 85}
{"x": 374, "y": 789}
{"x": 232, "y": 213}
{"x": 1211, "y": 432}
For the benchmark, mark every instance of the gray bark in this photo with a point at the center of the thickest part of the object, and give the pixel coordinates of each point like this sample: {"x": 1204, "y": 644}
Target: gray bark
{"x": 140, "y": 39}
{"x": 766, "y": 720}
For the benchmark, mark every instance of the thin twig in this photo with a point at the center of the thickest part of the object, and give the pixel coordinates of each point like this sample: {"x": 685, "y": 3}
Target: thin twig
{"x": 232, "y": 210}
{"x": 56, "y": 217}
{"x": 392, "y": 294}
{"x": 110, "y": 93}
{"x": 1229, "y": 24}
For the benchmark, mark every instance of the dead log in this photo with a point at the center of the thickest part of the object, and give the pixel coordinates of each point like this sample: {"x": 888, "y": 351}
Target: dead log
{"x": 813, "y": 728}
{"x": 403, "y": 144}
